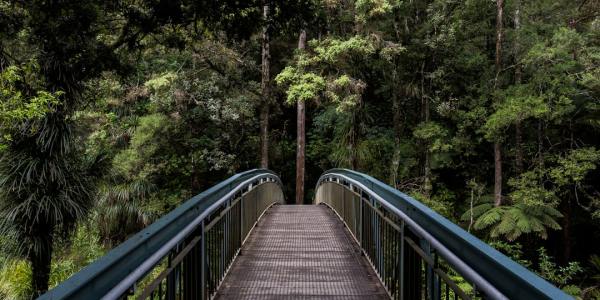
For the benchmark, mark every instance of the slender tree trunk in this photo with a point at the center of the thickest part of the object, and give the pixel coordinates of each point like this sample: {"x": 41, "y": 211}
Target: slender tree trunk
{"x": 301, "y": 143}
{"x": 352, "y": 141}
{"x": 519, "y": 147}
{"x": 398, "y": 122}
{"x": 427, "y": 184}
{"x": 40, "y": 266}
{"x": 397, "y": 119}
{"x": 497, "y": 145}
{"x": 471, "y": 219}
{"x": 540, "y": 138}
{"x": 497, "y": 174}
{"x": 265, "y": 91}
{"x": 566, "y": 231}
{"x": 518, "y": 75}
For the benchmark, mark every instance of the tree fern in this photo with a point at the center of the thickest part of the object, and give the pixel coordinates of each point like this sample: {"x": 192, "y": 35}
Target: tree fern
{"x": 512, "y": 221}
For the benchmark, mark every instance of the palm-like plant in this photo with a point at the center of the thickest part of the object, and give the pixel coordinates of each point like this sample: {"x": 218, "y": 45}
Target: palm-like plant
{"x": 122, "y": 209}
{"x": 46, "y": 187}
{"x": 512, "y": 221}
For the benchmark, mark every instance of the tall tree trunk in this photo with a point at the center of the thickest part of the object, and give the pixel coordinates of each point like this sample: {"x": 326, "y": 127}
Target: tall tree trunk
{"x": 41, "y": 260}
{"x": 397, "y": 119}
{"x": 265, "y": 90}
{"x": 352, "y": 141}
{"x": 427, "y": 184}
{"x": 518, "y": 75}
{"x": 497, "y": 145}
{"x": 540, "y": 138}
{"x": 301, "y": 143}
{"x": 566, "y": 231}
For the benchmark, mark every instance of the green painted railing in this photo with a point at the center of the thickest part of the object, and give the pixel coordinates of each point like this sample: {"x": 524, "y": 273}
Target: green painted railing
{"x": 415, "y": 250}
{"x": 417, "y": 253}
{"x": 190, "y": 247}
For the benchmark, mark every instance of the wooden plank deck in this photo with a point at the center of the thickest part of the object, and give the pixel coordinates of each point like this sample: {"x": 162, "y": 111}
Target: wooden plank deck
{"x": 301, "y": 252}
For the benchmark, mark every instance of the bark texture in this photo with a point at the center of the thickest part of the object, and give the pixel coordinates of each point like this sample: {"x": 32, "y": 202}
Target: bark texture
{"x": 301, "y": 140}
{"x": 265, "y": 87}
{"x": 497, "y": 144}
{"x": 397, "y": 132}
{"x": 41, "y": 261}
{"x": 518, "y": 75}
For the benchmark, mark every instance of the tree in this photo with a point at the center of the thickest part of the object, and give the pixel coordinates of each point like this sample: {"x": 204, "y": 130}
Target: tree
{"x": 301, "y": 134}
{"x": 518, "y": 77}
{"x": 498, "y": 64}
{"x": 46, "y": 185}
{"x": 265, "y": 87}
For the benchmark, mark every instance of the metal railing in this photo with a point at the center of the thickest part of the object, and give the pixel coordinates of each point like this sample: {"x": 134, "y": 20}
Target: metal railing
{"x": 419, "y": 254}
{"x": 185, "y": 254}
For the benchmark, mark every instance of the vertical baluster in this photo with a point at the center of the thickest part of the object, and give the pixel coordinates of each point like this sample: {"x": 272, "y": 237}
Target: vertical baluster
{"x": 170, "y": 279}
{"x": 222, "y": 254}
{"x": 447, "y": 292}
{"x": 401, "y": 262}
{"x": 386, "y": 253}
{"x": 361, "y": 222}
{"x": 437, "y": 284}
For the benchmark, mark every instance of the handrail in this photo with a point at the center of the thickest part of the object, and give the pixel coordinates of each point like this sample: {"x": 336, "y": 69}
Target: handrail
{"x": 498, "y": 276}
{"x": 115, "y": 272}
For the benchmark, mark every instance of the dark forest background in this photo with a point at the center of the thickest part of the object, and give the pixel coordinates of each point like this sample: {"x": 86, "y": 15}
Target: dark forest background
{"x": 112, "y": 113}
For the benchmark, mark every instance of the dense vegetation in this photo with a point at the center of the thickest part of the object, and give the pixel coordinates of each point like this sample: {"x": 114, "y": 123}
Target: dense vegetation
{"x": 114, "y": 112}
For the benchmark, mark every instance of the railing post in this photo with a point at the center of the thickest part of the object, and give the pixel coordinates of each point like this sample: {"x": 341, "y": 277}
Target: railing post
{"x": 171, "y": 284}
{"x": 202, "y": 262}
{"x": 437, "y": 287}
{"x": 377, "y": 235}
{"x": 401, "y": 261}
{"x": 343, "y": 203}
{"x": 241, "y": 222}
{"x": 360, "y": 222}
{"x": 428, "y": 268}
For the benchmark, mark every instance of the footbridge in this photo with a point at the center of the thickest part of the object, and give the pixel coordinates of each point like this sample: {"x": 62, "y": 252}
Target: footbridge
{"x": 361, "y": 239}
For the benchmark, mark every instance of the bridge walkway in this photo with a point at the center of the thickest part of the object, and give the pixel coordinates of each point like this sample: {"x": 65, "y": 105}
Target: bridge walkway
{"x": 301, "y": 252}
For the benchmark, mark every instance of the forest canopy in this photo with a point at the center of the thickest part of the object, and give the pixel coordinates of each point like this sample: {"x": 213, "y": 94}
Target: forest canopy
{"x": 112, "y": 113}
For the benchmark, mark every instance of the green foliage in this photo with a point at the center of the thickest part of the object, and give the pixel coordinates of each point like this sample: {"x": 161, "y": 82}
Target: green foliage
{"x": 17, "y": 108}
{"x": 310, "y": 77}
{"x": 546, "y": 267}
{"x": 160, "y": 102}
{"x": 559, "y": 276}
{"x": 435, "y": 135}
{"x": 83, "y": 249}
{"x": 333, "y": 51}
{"x": 160, "y": 82}
{"x": 145, "y": 142}
{"x": 593, "y": 291}
{"x": 517, "y": 107}
{"x": 512, "y": 221}
{"x": 122, "y": 209}
{"x": 15, "y": 280}
{"x": 529, "y": 189}
{"x": 512, "y": 250}
{"x": 371, "y": 8}
{"x": 441, "y": 202}
{"x": 305, "y": 87}
{"x": 572, "y": 168}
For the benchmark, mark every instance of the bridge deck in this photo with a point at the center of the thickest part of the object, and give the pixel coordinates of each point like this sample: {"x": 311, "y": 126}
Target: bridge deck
{"x": 301, "y": 252}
